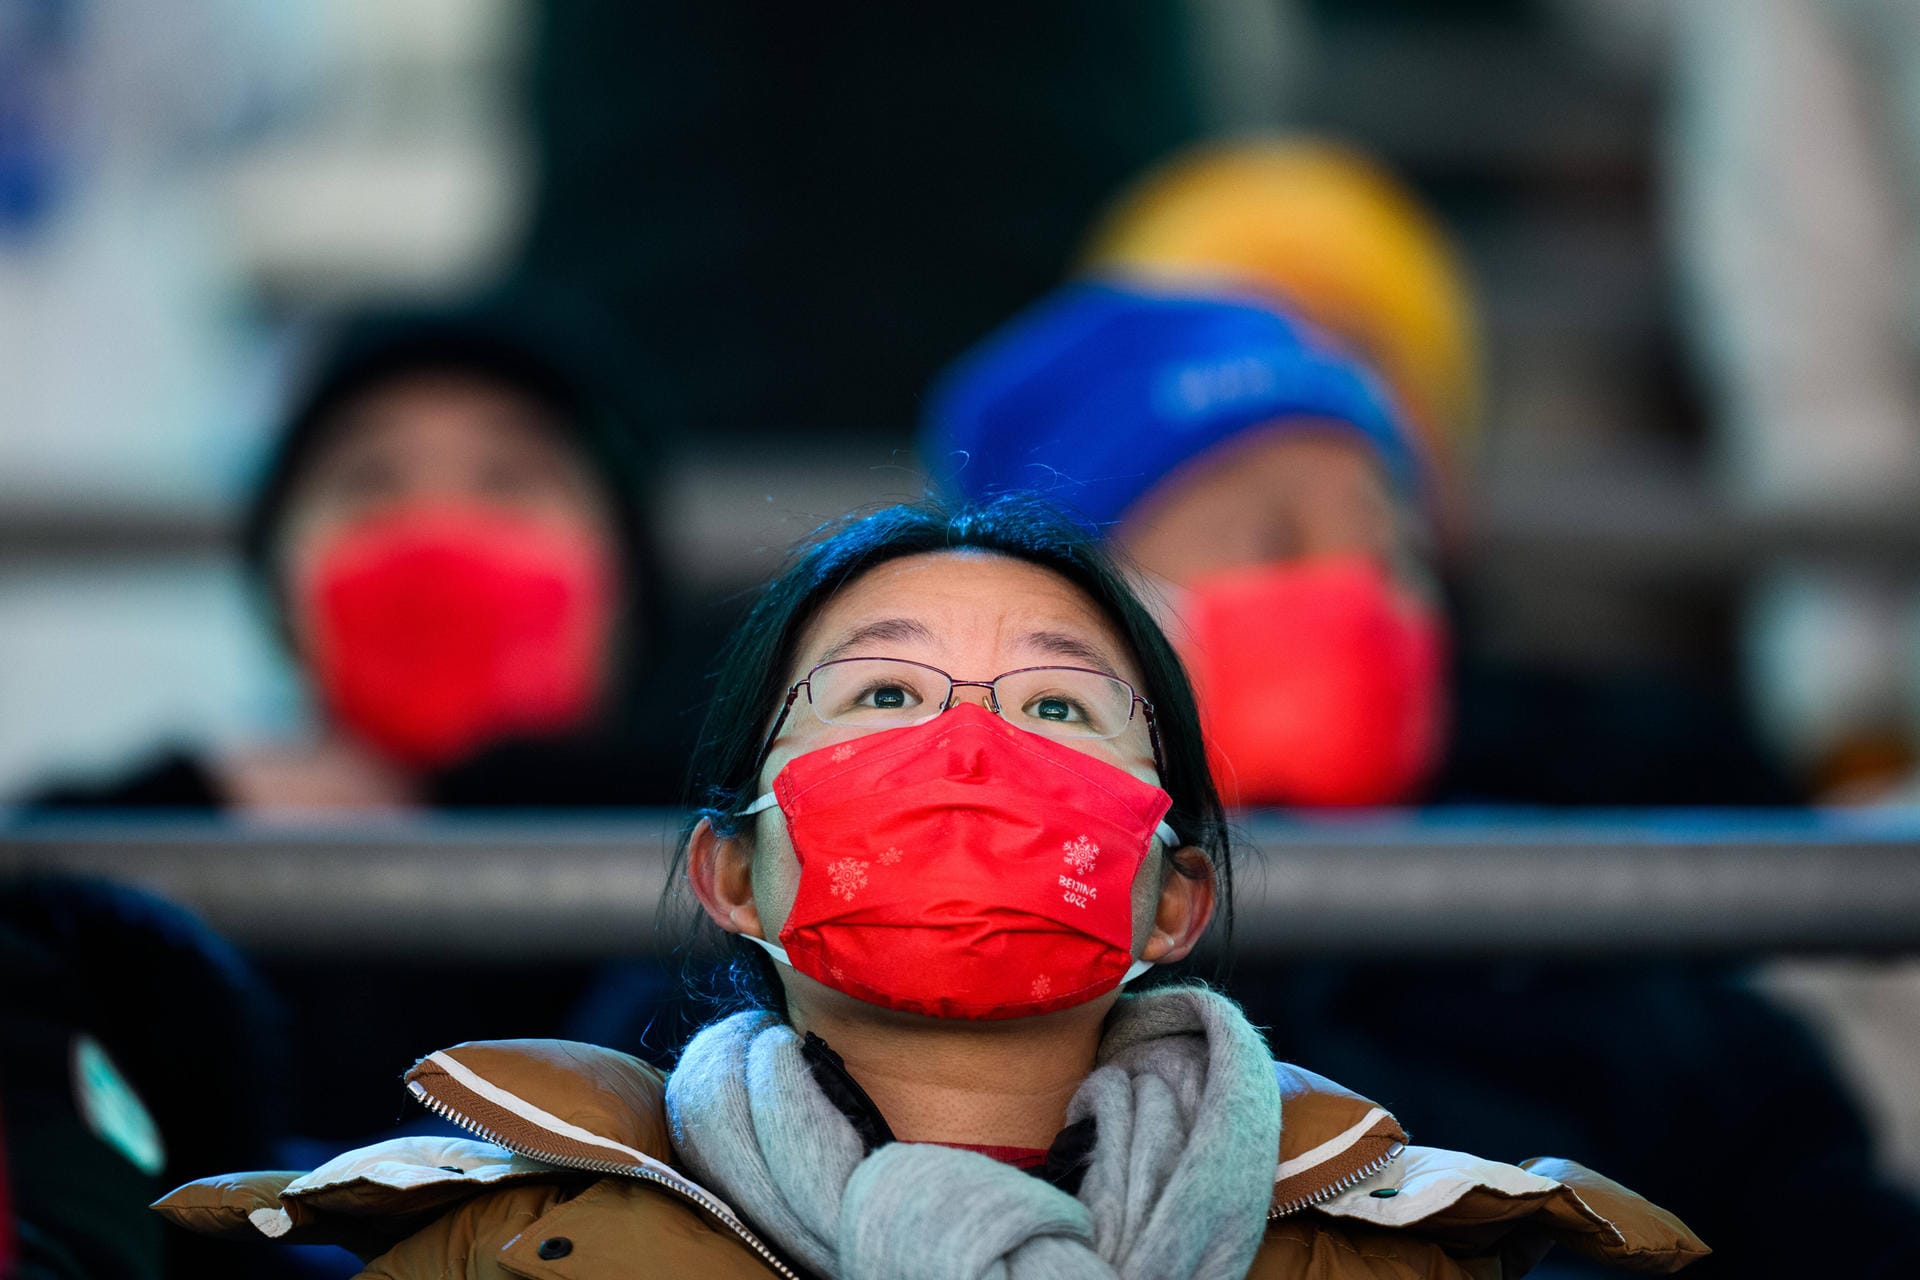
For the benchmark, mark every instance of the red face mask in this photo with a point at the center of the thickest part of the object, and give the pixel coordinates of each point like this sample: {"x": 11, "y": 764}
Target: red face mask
{"x": 1319, "y": 683}
{"x": 436, "y": 630}
{"x": 963, "y": 868}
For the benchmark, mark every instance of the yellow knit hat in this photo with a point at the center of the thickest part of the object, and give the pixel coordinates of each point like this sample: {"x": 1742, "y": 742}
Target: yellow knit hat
{"x": 1336, "y": 237}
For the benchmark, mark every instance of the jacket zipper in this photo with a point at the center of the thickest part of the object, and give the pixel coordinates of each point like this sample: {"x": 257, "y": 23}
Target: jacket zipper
{"x": 1333, "y": 1189}
{"x": 686, "y": 1190}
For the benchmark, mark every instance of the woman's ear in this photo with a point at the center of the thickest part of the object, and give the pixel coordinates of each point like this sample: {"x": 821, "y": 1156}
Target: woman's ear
{"x": 720, "y": 873}
{"x": 1185, "y": 907}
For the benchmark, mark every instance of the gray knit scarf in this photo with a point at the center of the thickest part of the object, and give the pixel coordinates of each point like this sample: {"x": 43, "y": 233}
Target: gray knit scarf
{"x": 1187, "y": 1116}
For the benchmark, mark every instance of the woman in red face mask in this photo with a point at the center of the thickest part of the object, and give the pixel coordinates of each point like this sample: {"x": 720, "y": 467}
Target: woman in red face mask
{"x": 452, "y": 535}
{"x": 959, "y": 836}
{"x": 448, "y": 571}
{"x": 450, "y": 541}
{"x": 1288, "y": 574}
{"x": 1266, "y": 481}
{"x": 1277, "y": 477}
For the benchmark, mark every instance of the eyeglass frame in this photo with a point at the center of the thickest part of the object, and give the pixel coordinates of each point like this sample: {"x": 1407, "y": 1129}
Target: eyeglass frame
{"x": 953, "y": 685}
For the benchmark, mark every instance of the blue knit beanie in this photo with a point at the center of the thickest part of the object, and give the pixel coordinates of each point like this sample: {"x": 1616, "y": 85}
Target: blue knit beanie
{"x": 1096, "y": 393}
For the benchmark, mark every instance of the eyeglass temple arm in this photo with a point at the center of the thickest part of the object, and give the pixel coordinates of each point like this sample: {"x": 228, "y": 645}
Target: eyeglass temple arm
{"x": 1153, "y": 736}
{"x": 779, "y": 722}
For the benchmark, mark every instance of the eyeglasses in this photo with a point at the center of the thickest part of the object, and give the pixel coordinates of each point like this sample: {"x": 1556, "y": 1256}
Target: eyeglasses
{"x": 1066, "y": 703}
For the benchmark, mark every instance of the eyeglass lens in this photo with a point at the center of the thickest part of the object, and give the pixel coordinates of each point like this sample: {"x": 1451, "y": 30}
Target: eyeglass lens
{"x": 881, "y": 693}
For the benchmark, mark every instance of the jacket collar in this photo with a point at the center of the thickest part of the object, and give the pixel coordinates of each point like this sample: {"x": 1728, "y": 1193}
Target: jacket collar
{"x": 551, "y": 1099}
{"x": 577, "y": 1107}
{"x": 1330, "y": 1139}
{"x": 570, "y": 1106}
{"x": 585, "y": 1107}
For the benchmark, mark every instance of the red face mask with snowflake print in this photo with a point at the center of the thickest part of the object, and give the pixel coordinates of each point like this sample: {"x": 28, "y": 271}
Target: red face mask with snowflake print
{"x": 964, "y": 868}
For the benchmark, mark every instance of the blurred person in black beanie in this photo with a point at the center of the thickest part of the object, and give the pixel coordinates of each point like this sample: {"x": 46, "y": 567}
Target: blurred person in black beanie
{"x": 453, "y": 540}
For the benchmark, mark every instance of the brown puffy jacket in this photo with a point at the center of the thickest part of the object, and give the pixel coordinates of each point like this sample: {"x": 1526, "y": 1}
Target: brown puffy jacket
{"x": 573, "y": 1178}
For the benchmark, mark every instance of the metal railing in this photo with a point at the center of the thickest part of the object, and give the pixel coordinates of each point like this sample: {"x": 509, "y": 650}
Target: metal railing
{"x": 1658, "y": 883}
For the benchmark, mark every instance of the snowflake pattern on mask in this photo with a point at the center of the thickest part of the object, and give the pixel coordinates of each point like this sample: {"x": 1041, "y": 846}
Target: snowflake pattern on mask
{"x": 1042, "y": 987}
{"x": 849, "y": 876}
{"x": 892, "y": 856}
{"x": 1081, "y": 853}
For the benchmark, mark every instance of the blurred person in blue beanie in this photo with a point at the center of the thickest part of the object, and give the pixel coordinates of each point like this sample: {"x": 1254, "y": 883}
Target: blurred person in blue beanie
{"x": 1267, "y": 479}
{"x": 1260, "y": 385}
{"x": 1095, "y": 395}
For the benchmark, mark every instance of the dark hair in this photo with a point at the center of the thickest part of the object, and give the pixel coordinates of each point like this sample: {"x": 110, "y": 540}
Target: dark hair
{"x": 752, "y": 679}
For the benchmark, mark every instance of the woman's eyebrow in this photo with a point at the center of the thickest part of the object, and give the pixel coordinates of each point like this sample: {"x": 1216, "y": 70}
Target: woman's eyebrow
{"x": 1059, "y": 644}
{"x": 881, "y": 629}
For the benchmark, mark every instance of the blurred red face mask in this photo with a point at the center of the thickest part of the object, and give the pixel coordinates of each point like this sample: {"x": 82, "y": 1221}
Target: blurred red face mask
{"x": 964, "y": 868}
{"x": 437, "y": 629}
{"x": 1319, "y": 683}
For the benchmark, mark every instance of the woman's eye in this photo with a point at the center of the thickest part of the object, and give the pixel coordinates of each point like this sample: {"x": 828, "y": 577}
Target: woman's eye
{"x": 887, "y": 697}
{"x": 502, "y": 481}
{"x": 1049, "y": 707}
{"x": 511, "y": 475}
{"x": 362, "y": 480}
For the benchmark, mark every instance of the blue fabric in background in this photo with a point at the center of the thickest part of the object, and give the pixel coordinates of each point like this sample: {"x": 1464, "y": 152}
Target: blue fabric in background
{"x": 1096, "y": 393}
{"x": 36, "y": 46}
